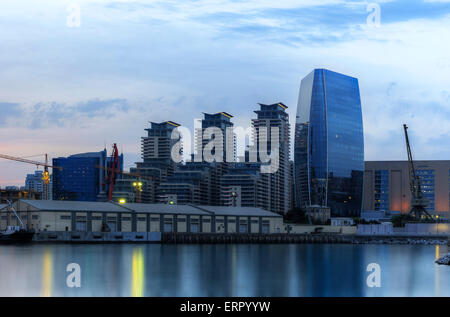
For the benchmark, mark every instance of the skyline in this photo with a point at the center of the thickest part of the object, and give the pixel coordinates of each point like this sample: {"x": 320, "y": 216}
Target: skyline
{"x": 126, "y": 65}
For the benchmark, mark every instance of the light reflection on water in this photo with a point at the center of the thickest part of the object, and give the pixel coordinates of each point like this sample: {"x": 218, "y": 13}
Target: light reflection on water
{"x": 223, "y": 270}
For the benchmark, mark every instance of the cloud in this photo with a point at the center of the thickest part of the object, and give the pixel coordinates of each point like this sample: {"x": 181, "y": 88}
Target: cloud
{"x": 70, "y": 90}
{"x": 54, "y": 114}
{"x": 9, "y": 110}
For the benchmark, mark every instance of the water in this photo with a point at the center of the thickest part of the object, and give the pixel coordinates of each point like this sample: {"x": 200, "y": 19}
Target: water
{"x": 223, "y": 270}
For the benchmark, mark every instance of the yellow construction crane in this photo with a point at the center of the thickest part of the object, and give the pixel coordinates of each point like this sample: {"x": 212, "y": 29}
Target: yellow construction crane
{"x": 45, "y": 175}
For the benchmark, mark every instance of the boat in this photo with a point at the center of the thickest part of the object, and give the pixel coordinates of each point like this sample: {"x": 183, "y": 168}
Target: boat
{"x": 16, "y": 234}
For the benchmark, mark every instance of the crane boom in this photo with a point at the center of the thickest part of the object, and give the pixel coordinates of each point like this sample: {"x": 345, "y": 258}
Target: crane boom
{"x": 46, "y": 174}
{"x": 19, "y": 159}
{"x": 418, "y": 201}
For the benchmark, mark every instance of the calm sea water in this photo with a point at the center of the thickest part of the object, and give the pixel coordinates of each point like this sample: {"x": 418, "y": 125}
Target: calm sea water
{"x": 223, "y": 270}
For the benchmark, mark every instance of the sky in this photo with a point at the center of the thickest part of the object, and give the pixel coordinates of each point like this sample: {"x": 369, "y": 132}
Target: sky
{"x": 69, "y": 87}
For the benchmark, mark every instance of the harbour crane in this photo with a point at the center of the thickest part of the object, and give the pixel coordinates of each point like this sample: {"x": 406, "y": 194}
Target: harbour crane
{"x": 113, "y": 170}
{"x": 46, "y": 165}
{"x": 418, "y": 201}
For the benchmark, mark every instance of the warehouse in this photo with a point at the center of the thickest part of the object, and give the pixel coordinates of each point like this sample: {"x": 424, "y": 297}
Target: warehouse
{"x": 78, "y": 216}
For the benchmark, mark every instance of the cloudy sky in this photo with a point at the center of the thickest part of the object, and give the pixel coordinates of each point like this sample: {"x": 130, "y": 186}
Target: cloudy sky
{"x": 67, "y": 89}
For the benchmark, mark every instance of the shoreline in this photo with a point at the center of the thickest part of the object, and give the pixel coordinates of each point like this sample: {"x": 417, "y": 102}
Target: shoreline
{"x": 233, "y": 238}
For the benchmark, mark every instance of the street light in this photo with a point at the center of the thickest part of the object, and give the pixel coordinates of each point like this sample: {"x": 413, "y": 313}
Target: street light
{"x": 234, "y": 195}
{"x": 138, "y": 188}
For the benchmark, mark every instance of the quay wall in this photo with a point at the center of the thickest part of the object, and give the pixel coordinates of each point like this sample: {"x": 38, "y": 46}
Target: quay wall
{"x": 219, "y": 238}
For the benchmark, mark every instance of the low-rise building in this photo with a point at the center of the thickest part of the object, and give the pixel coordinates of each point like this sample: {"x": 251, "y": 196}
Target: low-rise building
{"x": 342, "y": 221}
{"x": 386, "y": 185}
{"x": 42, "y": 215}
{"x": 318, "y": 214}
{"x": 378, "y": 215}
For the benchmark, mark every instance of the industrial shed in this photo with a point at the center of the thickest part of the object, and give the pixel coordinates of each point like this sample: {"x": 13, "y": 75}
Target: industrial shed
{"x": 78, "y": 216}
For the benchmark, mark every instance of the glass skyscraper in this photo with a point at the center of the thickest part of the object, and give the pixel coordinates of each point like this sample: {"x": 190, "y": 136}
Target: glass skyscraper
{"x": 80, "y": 178}
{"x": 329, "y": 144}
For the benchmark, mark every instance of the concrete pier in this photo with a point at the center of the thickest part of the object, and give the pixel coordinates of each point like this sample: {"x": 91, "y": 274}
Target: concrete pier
{"x": 232, "y": 238}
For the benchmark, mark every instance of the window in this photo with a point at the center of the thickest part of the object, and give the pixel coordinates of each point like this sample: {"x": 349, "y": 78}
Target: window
{"x": 427, "y": 184}
{"x": 96, "y": 218}
{"x": 194, "y": 227}
{"x": 65, "y": 217}
{"x": 167, "y": 227}
{"x": 243, "y": 228}
{"x": 265, "y": 228}
{"x": 141, "y": 219}
{"x": 111, "y": 225}
{"x": 35, "y": 217}
{"x": 81, "y": 226}
{"x": 154, "y": 218}
{"x": 381, "y": 194}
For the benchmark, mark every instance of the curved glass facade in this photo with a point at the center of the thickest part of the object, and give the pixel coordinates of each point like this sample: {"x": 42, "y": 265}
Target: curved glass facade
{"x": 329, "y": 143}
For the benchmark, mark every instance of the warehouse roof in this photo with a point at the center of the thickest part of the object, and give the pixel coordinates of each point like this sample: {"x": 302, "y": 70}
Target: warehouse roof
{"x": 66, "y": 205}
{"x": 165, "y": 209}
{"x": 239, "y": 211}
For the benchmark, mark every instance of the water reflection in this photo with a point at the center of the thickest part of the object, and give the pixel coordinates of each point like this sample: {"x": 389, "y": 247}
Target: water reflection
{"x": 47, "y": 272}
{"x": 137, "y": 273}
{"x": 223, "y": 270}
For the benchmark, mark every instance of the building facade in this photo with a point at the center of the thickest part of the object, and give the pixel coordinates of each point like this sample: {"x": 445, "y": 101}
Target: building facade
{"x": 71, "y": 216}
{"x": 157, "y": 163}
{"x": 81, "y": 177}
{"x": 34, "y": 182}
{"x": 198, "y": 181}
{"x": 244, "y": 185}
{"x": 329, "y": 144}
{"x": 386, "y": 185}
{"x": 269, "y": 117}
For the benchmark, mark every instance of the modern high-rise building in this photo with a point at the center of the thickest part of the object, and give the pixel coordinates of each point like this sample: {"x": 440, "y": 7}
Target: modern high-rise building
{"x": 329, "y": 144}
{"x": 198, "y": 181}
{"x": 81, "y": 177}
{"x": 221, "y": 121}
{"x": 189, "y": 184}
{"x": 157, "y": 163}
{"x": 244, "y": 186}
{"x": 35, "y": 182}
{"x": 268, "y": 117}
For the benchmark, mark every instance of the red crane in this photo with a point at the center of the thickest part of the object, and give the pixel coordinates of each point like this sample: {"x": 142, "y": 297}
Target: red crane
{"x": 113, "y": 170}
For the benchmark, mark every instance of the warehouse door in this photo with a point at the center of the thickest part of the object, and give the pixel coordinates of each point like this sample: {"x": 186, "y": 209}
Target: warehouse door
{"x": 112, "y": 225}
{"x": 194, "y": 227}
{"x": 243, "y": 228}
{"x": 168, "y": 227}
{"x": 81, "y": 226}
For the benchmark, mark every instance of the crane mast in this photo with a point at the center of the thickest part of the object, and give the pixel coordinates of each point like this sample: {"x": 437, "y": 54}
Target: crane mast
{"x": 45, "y": 175}
{"x": 418, "y": 201}
{"x": 112, "y": 171}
